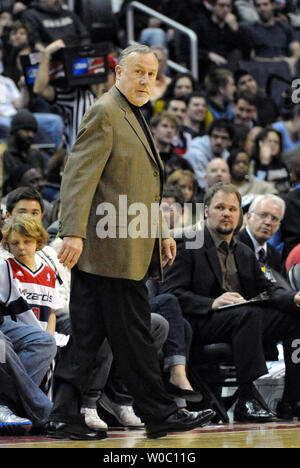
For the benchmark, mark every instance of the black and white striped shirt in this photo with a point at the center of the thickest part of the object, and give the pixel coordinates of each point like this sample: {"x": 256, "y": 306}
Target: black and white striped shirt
{"x": 72, "y": 104}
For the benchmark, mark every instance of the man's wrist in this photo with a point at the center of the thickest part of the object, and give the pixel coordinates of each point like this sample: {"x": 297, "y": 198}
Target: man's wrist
{"x": 296, "y": 303}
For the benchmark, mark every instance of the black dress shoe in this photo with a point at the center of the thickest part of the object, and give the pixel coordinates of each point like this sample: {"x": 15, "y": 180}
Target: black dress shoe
{"x": 60, "y": 430}
{"x": 189, "y": 395}
{"x": 285, "y": 410}
{"x": 252, "y": 411}
{"x": 179, "y": 421}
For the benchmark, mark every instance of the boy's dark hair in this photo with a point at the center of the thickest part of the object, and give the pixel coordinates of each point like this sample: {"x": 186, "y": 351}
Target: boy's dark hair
{"x": 173, "y": 191}
{"x": 249, "y": 97}
{"x": 23, "y": 193}
{"x": 222, "y": 124}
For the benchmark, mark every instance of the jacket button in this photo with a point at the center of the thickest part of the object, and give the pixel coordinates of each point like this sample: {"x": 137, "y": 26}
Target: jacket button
{"x": 155, "y": 173}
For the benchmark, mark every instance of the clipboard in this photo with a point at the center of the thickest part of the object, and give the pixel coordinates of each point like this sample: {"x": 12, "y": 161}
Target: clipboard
{"x": 262, "y": 297}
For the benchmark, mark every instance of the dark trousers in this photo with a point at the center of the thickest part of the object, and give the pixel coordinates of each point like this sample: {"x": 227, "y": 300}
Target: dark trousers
{"x": 119, "y": 310}
{"x": 180, "y": 332}
{"x": 106, "y": 378}
{"x": 247, "y": 329}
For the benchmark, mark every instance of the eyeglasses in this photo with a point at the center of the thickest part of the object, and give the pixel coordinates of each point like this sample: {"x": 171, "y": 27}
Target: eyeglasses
{"x": 262, "y": 215}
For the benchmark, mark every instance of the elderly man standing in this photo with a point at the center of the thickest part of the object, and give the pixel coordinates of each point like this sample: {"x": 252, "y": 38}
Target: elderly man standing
{"x": 114, "y": 162}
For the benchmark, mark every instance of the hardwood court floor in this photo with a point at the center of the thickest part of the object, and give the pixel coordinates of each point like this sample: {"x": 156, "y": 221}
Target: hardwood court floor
{"x": 272, "y": 435}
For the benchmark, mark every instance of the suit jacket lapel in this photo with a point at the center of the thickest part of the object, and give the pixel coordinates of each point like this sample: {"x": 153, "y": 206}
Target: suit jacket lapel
{"x": 131, "y": 119}
{"x": 212, "y": 256}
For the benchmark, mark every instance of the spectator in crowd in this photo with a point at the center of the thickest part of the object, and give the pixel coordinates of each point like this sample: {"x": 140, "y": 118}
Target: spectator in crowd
{"x": 187, "y": 183}
{"x": 266, "y": 108}
{"x": 250, "y": 139}
{"x": 47, "y": 20}
{"x": 154, "y": 34}
{"x": 164, "y": 127}
{"x": 267, "y": 161}
{"x": 215, "y": 144}
{"x": 217, "y": 172}
{"x": 28, "y": 176}
{"x": 13, "y": 100}
{"x": 18, "y": 35}
{"x": 172, "y": 205}
{"x": 71, "y": 103}
{"x": 244, "y": 109}
{"x": 220, "y": 40}
{"x": 262, "y": 221}
{"x": 270, "y": 39}
{"x": 220, "y": 89}
{"x": 162, "y": 80}
{"x": 23, "y": 236}
{"x": 180, "y": 86}
{"x": 30, "y": 350}
{"x": 247, "y": 184}
{"x": 183, "y": 137}
{"x": 19, "y": 393}
{"x": 27, "y": 200}
{"x": 225, "y": 272}
{"x": 18, "y": 149}
{"x": 290, "y": 130}
{"x": 290, "y": 226}
{"x": 195, "y": 118}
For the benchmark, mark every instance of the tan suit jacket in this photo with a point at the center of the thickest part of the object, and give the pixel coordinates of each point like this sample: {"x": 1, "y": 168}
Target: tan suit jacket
{"x": 111, "y": 157}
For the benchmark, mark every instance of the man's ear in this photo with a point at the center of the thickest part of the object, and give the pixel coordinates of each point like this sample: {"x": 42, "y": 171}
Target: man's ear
{"x": 7, "y": 214}
{"x": 205, "y": 211}
{"x": 118, "y": 70}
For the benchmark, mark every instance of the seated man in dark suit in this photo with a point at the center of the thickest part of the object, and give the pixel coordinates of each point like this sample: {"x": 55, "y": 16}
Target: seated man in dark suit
{"x": 225, "y": 272}
{"x": 262, "y": 221}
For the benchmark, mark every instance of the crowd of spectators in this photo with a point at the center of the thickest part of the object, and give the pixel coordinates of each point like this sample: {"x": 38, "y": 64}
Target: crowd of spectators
{"x": 223, "y": 127}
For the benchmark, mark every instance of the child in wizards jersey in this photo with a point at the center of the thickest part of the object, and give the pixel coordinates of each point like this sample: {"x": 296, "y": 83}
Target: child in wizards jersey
{"x": 25, "y": 276}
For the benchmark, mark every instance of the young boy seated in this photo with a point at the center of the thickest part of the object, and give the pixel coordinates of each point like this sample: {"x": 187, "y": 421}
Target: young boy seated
{"x": 26, "y": 281}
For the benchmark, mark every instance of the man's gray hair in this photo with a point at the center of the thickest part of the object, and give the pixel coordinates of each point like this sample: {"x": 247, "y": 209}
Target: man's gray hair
{"x": 138, "y": 48}
{"x": 268, "y": 196}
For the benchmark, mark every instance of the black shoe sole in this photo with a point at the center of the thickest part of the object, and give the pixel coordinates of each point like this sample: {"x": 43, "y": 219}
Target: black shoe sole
{"x": 75, "y": 432}
{"x": 73, "y": 436}
{"x": 255, "y": 420}
{"x": 14, "y": 429}
{"x": 205, "y": 420}
{"x": 188, "y": 395}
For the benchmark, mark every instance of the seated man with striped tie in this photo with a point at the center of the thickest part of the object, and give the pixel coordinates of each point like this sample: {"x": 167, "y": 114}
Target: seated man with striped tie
{"x": 262, "y": 222}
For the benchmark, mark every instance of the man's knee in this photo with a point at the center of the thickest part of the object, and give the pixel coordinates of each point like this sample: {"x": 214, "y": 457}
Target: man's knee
{"x": 159, "y": 330}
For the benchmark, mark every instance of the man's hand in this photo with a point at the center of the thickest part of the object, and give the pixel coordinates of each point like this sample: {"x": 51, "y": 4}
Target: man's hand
{"x": 54, "y": 47}
{"x": 227, "y": 299}
{"x": 168, "y": 251}
{"x": 217, "y": 59}
{"x": 265, "y": 152}
{"x": 70, "y": 251}
{"x": 297, "y": 299}
{"x": 232, "y": 22}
